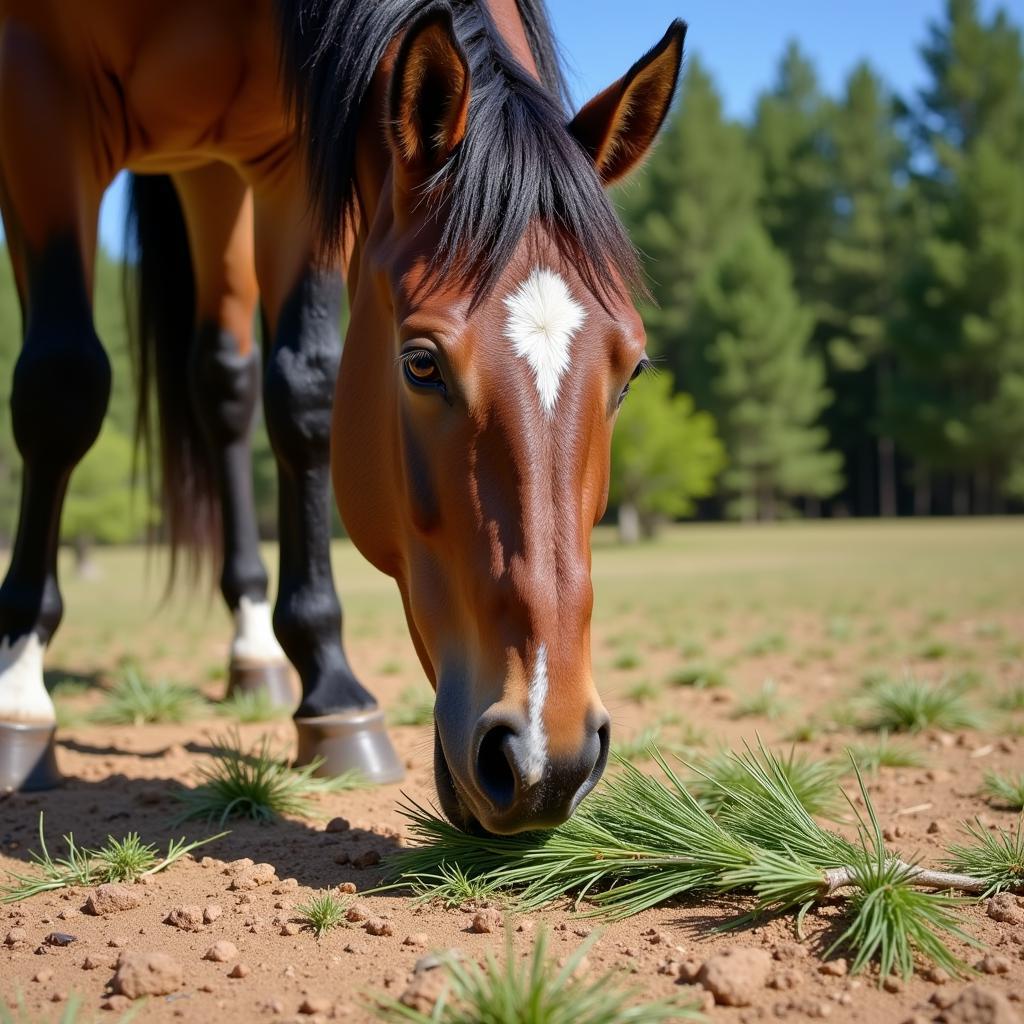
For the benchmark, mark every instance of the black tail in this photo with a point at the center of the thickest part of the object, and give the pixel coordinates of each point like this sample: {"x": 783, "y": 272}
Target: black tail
{"x": 160, "y": 295}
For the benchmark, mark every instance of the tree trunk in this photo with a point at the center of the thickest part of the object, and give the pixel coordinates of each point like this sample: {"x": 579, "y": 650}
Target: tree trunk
{"x": 961, "y": 495}
{"x": 922, "y": 492}
{"x": 629, "y": 523}
{"x": 887, "y": 477}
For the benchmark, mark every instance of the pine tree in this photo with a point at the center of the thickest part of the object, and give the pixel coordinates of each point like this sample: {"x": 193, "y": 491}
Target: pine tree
{"x": 698, "y": 190}
{"x": 664, "y": 457}
{"x": 767, "y": 387}
{"x": 956, "y": 402}
{"x": 863, "y": 261}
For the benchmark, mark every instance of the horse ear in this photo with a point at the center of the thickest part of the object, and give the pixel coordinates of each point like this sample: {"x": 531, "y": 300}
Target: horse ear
{"x": 428, "y": 94}
{"x": 618, "y": 125}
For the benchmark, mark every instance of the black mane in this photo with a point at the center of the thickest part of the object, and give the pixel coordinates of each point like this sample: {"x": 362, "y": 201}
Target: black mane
{"x": 517, "y": 163}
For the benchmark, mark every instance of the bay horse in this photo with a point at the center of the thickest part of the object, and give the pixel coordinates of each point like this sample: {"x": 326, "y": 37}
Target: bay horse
{"x": 422, "y": 150}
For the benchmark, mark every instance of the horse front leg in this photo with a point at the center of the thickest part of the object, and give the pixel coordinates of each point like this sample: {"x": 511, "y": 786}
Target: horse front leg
{"x": 338, "y": 719}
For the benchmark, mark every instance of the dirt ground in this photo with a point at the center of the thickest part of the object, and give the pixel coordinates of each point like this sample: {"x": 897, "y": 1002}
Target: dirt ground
{"x": 814, "y": 608}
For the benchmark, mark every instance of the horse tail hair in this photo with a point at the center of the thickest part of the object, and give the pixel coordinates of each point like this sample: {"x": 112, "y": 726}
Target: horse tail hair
{"x": 160, "y": 301}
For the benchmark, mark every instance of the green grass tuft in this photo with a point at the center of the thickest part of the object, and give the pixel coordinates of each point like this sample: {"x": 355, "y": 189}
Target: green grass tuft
{"x": 257, "y": 785}
{"x": 767, "y": 643}
{"x": 452, "y": 887}
{"x": 323, "y": 912}
{"x": 535, "y": 991}
{"x": 764, "y": 703}
{"x": 1011, "y": 700}
{"x": 626, "y": 660}
{"x": 415, "y": 707}
{"x": 118, "y": 860}
{"x": 699, "y": 675}
{"x": 642, "y": 692}
{"x": 136, "y": 700}
{"x": 1005, "y": 791}
{"x": 885, "y": 752}
{"x": 911, "y": 705}
{"x": 251, "y": 707}
{"x": 997, "y": 856}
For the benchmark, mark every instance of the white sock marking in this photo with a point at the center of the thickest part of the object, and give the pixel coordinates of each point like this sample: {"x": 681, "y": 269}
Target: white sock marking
{"x": 254, "y": 634}
{"x": 23, "y": 696}
{"x": 536, "y": 738}
{"x": 542, "y": 319}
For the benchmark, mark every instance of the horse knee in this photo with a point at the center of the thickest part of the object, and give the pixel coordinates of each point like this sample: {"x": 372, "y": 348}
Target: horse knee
{"x": 225, "y": 385}
{"x": 301, "y": 372}
{"x": 60, "y": 392}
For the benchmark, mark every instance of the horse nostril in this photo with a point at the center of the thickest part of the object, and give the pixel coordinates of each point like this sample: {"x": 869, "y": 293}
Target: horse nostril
{"x": 494, "y": 772}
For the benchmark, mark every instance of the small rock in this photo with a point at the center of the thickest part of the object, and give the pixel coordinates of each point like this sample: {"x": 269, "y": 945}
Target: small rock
{"x": 892, "y": 983}
{"x": 937, "y": 975}
{"x": 90, "y": 963}
{"x": 112, "y": 898}
{"x": 188, "y": 918}
{"x": 416, "y": 939}
{"x": 934, "y": 828}
{"x": 253, "y": 877}
{"x": 314, "y": 1004}
{"x": 1003, "y": 907}
{"x": 15, "y": 937}
{"x": 337, "y": 825}
{"x": 147, "y": 974}
{"x": 834, "y": 968}
{"x": 379, "y": 926}
{"x": 117, "y": 1003}
{"x": 357, "y": 913}
{"x": 239, "y": 971}
{"x": 43, "y": 975}
{"x": 735, "y": 976}
{"x": 347, "y": 888}
{"x": 486, "y": 921}
{"x": 366, "y": 859}
{"x": 980, "y": 1005}
{"x": 212, "y": 913}
{"x": 221, "y": 952}
{"x": 289, "y": 928}
{"x": 60, "y": 939}
{"x": 236, "y": 867}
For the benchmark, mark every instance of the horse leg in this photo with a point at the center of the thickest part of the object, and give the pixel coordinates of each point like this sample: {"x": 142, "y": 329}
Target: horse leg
{"x": 225, "y": 381}
{"x": 338, "y": 720}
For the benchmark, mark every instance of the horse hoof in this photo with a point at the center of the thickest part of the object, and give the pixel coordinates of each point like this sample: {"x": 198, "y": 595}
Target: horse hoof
{"x": 274, "y": 678}
{"x": 349, "y": 741}
{"x": 27, "y": 759}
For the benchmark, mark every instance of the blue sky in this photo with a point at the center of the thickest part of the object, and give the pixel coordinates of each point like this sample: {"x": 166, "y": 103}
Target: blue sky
{"x": 739, "y": 41}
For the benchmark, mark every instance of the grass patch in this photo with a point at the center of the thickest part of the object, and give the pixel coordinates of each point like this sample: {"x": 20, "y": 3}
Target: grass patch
{"x": 1011, "y": 700}
{"x": 699, "y": 675}
{"x": 643, "y": 691}
{"x": 885, "y": 752}
{"x": 118, "y": 860}
{"x": 452, "y": 887}
{"x": 535, "y": 991}
{"x": 1006, "y": 791}
{"x": 911, "y": 705}
{"x": 639, "y": 746}
{"x": 136, "y": 700}
{"x": 765, "y": 703}
{"x": 767, "y": 643}
{"x": 323, "y": 912}
{"x": 626, "y": 660}
{"x": 257, "y": 785}
{"x": 251, "y": 707}
{"x": 415, "y": 707}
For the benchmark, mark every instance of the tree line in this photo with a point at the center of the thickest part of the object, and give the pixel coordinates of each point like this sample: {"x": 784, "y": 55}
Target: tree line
{"x": 839, "y": 284}
{"x": 836, "y": 307}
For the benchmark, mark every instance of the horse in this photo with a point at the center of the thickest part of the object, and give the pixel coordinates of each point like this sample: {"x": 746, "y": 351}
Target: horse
{"x": 421, "y": 154}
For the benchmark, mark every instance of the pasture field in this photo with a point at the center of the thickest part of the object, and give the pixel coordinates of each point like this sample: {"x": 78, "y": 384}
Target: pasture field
{"x": 808, "y": 636}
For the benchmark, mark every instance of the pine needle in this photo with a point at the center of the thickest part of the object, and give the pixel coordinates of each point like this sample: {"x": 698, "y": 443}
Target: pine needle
{"x": 1005, "y": 791}
{"x": 322, "y": 912}
{"x": 997, "y": 857}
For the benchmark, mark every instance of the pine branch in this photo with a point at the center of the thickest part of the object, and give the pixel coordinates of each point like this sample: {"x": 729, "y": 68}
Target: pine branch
{"x": 845, "y": 877}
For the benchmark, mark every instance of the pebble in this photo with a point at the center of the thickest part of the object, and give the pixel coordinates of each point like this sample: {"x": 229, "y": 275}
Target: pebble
{"x": 357, "y": 913}
{"x": 837, "y": 968}
{"x": 90, "y": 963}
{"x": 734, "y": 977}
{"x": 212, "y": 913}
{"x": 147, "y": 974}
{"x": 314, "y": 1004}
{"x": 15, "y": 937}
{"x": 1005, "y": 908}
{"x": 221, "y": 952}
{"x": 348, "y": 888}
{"x": 416, "y": 939}
{"x": 994, "y": 963}
{"x": 337, "y": 825}
{"x": 239, "y": 971}
{"x": 366, "y": 859}
{"x": 289, "y": 928}
{"x": 486, "y": 921}
{"x": 253, "y": 877}
{"x": 379, "y": 926}
{"x": 112, "y": 898}
{"x": 891, "y": 983}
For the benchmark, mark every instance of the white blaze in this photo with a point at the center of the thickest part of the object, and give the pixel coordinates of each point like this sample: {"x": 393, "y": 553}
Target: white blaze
{"x": 254, "y": 634}
{"x": 23, "y": 696}
{"x": 536, "y": 738}
{"x": 542, "y": 319}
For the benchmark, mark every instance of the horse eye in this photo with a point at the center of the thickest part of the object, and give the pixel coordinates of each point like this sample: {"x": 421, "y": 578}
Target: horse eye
{"x": 421, "y": 368}
{"x": 642, "y": 367}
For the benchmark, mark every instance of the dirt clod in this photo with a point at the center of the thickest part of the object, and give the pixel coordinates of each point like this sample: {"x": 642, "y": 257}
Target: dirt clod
{"x": 1004, "y": 907}
{"x": 112, "y": 898}
{"x": 337, "y": 825}
{"x": 834, "y": 968}
{"x": 379, "y": 926}
{"x": 357, "y": 913}
{"x": 239, "y": 971}
{"x": 314, "y": 1004}
{"x": 188, "y": 918}
{"x": 735, "y": 976}
{"x": 221, "y": 952}
{"x": 423, "y": 992}
{"x": 486, "y": 921}
{"x": 16, "y": 937}
{"x": 147, "y": 974}
{"x": 980, "y": 1005}
{"x": 994, "y": 963}
{"x": 212, "y": 913}
{"x": 253, "y": 877}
